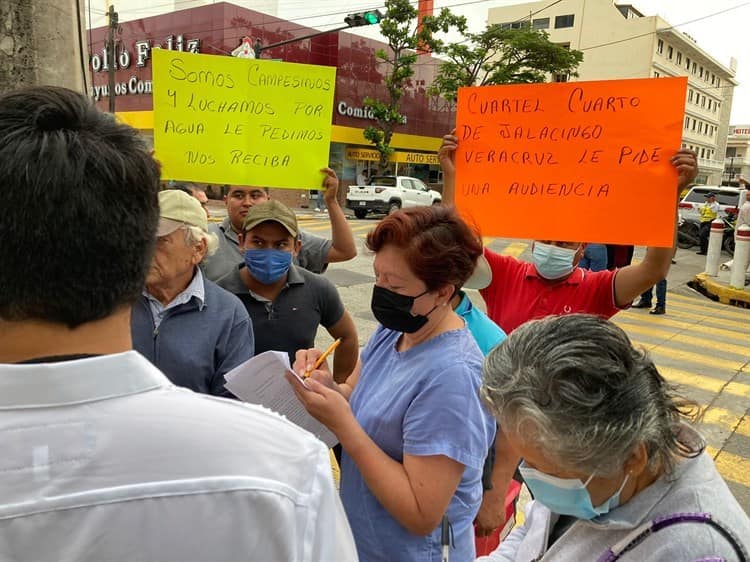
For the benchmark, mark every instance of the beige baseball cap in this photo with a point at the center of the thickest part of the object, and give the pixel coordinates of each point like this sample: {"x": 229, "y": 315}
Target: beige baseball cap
{"x": 177, "y": 208}
{"x": 271, "y": 211}
{"x": 482, "y": 276}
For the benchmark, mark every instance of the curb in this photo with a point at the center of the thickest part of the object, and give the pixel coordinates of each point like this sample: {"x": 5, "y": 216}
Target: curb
{"x": 723, "y": 293}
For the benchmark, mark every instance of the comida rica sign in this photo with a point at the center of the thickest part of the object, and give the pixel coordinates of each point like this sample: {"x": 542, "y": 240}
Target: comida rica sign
{"x": 346, "y": 110}
{"x": 138, "y": 58}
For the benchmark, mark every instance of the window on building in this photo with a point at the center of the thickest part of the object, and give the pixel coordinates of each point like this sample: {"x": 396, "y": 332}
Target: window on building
{"x": 687, "y": 63}
{"x": 656, "y": 74}
{"x": 731, "y": 151}
{"x": 718, "y": 82}
{"x": 660, "y": 46}
{"x": 694, "y": 68}
{"x": 564, "y": 21}
{"x": 560, "y": 77}
{"x": 700, "y": 74}
{"x": 713, "y": 79}
{"x": 679, "y": 57}
{"x": 694, "y": 124}
{"x": 687, "y": 122}
{"x": 690, "y": 96}
{"x": 703, "y": 152}
{"x": 670, "y": 52}
{"x": 541, "y": 23}
{"x": 709, "y": 104}
{"x": 703, "y": 101}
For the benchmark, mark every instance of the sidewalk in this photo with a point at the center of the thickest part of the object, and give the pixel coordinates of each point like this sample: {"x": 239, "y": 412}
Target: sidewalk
{"x": 718, "y": 288}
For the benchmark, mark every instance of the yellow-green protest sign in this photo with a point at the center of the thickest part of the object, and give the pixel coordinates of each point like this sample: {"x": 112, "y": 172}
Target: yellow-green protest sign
{"x": 241, "y": 122}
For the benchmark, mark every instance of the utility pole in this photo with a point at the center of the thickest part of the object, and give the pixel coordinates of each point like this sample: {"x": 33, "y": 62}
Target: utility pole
{"x": 112, "y": 52}
{"x": 26, "y": 32}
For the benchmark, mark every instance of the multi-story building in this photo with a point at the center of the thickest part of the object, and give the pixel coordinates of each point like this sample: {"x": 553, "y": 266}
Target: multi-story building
{"x": 619, "y": 42}
{"x": 737, "y": 162}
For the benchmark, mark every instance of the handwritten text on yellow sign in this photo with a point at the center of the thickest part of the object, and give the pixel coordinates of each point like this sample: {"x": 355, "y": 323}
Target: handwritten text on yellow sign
{"x": 241, "y": 122}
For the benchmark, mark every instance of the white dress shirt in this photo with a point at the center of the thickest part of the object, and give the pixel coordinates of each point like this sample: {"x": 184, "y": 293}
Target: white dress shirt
{"x": 104, "y": 460}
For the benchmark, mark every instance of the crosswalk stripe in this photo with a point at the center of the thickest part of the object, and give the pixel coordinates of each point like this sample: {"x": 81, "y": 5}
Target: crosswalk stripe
{"x": 717, "y": 311}
{"x": 701, "y": 342}
{"x": 725, "y": 418}
{"x": 731, "y": 467}
{"x": 679, "y": 310}
{"x": 514, "y": 249}
{"x": 710, "y": 308}
{"x": 365, "y": 227}
{"x": 316, "y": 226}
{"x": 689, "y": 356}
{"x": 712, "y": 305}
{"x": 629, "y": 317}
{"x": 702, "y": 382}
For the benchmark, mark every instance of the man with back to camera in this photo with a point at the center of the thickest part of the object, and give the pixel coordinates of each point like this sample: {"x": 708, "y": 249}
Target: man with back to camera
{"x": 315, "y": 253}
{"x": 104, "y": 459}
{"x": 516, "y": 292}
{"x": 285, "y": 302}
{"x": 191, "y": 329}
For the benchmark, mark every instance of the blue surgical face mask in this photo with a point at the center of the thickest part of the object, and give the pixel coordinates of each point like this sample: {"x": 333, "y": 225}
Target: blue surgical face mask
{"x": 567, "y": 496}
{"x": 267, "y": 265}
{"x": 552, "y": 262}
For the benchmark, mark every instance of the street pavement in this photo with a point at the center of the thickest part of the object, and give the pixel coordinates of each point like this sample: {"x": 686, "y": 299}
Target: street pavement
{"x": 699, "y": 345}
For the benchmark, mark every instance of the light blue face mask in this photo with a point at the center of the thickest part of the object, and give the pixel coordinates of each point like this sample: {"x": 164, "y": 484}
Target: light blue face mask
{"x": 567, "y": 496}
{"x": 552, "y": 262}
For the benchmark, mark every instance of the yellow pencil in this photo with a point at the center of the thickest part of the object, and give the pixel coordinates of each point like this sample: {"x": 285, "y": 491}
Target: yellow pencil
{"x": 322, "y": 358}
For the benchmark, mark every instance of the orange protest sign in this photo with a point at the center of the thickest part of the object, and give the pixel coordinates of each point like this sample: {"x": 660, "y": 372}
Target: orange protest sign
{"x": 572, "y": 161}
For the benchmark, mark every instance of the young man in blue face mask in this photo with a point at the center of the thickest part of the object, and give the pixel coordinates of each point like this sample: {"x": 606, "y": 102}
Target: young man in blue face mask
{"x": 287, "y": 303}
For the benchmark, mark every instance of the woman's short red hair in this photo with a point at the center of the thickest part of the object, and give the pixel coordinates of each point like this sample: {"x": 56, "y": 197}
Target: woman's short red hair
{"x": 440, "y": 248}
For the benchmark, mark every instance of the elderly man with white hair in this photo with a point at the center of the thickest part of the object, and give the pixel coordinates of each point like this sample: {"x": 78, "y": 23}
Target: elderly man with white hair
{"x": 189, "y": 327}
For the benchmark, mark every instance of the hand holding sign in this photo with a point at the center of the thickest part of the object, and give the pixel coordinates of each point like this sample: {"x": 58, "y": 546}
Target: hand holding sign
{"x": 590, "y": 161}
{"x": 243, "y": 122}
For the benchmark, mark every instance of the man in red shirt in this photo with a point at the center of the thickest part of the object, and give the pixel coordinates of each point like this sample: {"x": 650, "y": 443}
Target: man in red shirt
{"x": 517, "y": 291}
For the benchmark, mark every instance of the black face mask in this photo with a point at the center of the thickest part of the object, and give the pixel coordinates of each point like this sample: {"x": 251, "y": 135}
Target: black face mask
{"x": 393, "y": 311}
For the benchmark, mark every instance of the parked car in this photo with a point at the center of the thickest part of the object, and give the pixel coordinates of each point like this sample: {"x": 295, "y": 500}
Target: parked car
{"x": 727, "y": 197}
{"x": 386, "y": 194}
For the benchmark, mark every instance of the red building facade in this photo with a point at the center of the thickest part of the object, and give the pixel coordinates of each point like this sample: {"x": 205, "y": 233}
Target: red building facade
{"x": 219, "y": 28}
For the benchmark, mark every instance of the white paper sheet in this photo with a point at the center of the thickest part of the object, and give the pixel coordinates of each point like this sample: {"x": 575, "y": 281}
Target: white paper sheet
{"x": 260, "y": 380}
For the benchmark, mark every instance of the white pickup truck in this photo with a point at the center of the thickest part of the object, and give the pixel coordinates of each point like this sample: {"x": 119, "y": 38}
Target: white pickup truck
{"x": 386, "y": 194}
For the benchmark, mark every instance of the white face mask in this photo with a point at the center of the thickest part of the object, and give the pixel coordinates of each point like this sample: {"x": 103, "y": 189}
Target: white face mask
{"x": 553, "y": 262}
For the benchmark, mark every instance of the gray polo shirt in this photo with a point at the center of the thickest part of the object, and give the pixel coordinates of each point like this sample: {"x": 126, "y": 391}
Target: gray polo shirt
{"x": 313, "y": 255}
{"x": 290, "y": 322}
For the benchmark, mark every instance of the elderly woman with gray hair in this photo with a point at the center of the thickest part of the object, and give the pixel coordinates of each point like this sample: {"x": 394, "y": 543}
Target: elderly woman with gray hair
{"x": 613, "y": 466}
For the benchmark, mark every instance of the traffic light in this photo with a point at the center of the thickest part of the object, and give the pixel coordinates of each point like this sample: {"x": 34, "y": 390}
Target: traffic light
{"x": 363, "y": 18}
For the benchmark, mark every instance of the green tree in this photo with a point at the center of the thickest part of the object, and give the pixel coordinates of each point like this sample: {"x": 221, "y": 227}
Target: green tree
{"x": 502, "y": 56}
{"x": 405, "y": 39}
